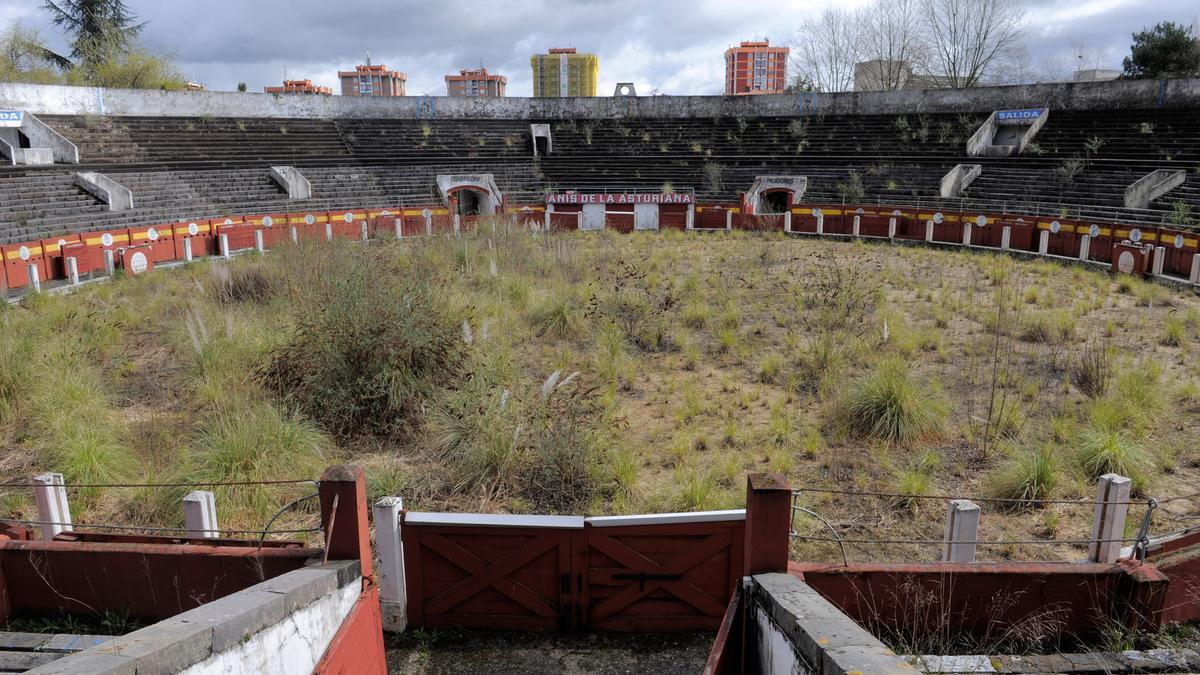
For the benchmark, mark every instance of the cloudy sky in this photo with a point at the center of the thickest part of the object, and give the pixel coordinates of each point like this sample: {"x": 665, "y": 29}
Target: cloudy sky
{"x": 669, "y": 46}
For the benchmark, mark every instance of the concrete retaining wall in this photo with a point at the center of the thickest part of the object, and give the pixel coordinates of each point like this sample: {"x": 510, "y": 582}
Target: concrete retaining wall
{"x": 62, "y": 100}
{"x": 283, "y": 625}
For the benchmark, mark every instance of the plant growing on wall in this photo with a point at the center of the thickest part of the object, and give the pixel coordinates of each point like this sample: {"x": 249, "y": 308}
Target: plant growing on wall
{"x": 1181, "y": 214}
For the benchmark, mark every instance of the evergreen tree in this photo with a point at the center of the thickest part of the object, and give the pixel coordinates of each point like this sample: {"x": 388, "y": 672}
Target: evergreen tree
{"x": 99, "y": 28}
{"x": 1168, "y": 50}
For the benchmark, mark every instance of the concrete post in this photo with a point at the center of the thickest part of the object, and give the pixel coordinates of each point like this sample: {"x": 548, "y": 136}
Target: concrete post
{"x": 579, "y": 220}
{"x": 1160, "y": 259}
{"x": 820, "y": 222}
{"x": 857, "y": 225}
{"x": 929, "y": 231}
{"x": 891, "y": 228}
{"x": 110, "y": 265}
{"x": 787, "y": 222}
{"x": 295, "y": 235}
{"x": 328, "y": 231}
{"x": 258, "y": 241}
{"x": 347, "y": 536}
{"x": 768, "y": 523}
{"x": 428, "y": 223}
{"x": 392, "y": 593}
{"x": 457, "y": 225}
{"x": 1194, "y": 277}
{"x": 223, "y": 241}
{"x": 35, "y": 279}
{"x": 1044, "y": 242}
{"x": 363, "y": 232}
{"x": 1085, "y": 243}
{"x": 549, "y": 216}
{"x": 962, "y": 531}
{"x": 400, "y": 226}
{"x": 729, "y": 220}
{"x": 200, "y": 514}
{"x": 966, "y": 234}
{"x": 73, "y": 270}
{"x": 187, "y": 249}
{"x": 1005, "y": 238}
{"x": 1108, "y": 524}
{"x": 53, "y": 510}
{"x": 691, "y": 217}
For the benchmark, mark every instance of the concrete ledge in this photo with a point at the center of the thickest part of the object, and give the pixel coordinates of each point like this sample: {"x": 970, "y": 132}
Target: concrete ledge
{"x": 226, "y": 633}
{"x": 117, "y": 196}
{"x": 42, "y": 136}
{"x": 791, "y": 615}
{"x": 1153, "y": 185}
{"x": 289, "y": 178}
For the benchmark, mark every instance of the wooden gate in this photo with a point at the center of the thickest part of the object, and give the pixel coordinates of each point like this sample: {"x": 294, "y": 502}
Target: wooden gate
{"x": 656, "y": 573}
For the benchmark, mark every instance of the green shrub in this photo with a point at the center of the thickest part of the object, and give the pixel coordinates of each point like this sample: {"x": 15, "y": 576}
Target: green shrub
{"x": 696, "y": 314}
{"x": 1174, "y": 332}
{"x": 891, "y": 404}
{"x": 1029, "y": 476}
{"x": 770, "y": 369}
{"x": 557, "y": 315}
{"x": 369, "y": 349}
{"x": 1103, "y": 451}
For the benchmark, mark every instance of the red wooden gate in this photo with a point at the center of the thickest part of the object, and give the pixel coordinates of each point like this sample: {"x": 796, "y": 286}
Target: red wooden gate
{"x": 657, "y": 573}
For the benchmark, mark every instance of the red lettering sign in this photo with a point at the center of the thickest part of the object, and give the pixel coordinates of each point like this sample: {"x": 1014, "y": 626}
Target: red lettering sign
{"x": 621, "y": 198}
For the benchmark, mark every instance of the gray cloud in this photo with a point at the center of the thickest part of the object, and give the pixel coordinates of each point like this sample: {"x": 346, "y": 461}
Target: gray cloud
{"x": 674, "y": 46}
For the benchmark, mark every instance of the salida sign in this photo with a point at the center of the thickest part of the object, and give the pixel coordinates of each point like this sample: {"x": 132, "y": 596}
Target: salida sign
{"x": 621, "y": 198}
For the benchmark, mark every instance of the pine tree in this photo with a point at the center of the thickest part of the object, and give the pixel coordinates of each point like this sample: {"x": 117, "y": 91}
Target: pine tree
{"x": 1168, "y": 50}
{"x": 99, "y": 28}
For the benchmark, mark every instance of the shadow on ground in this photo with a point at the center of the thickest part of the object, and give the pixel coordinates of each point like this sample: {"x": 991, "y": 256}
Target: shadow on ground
{"x": 455, "y": 651}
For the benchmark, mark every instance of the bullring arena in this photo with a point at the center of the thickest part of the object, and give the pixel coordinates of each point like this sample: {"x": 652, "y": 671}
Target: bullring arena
{"x": 863, "y": 382}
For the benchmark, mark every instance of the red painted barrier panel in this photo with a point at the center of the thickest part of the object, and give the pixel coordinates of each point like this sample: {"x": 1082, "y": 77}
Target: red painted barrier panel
{"x": 159, "y": 238}
{"x": 711, "y": 217}
{"x": 1180, "y": 248}
{"x": 199, "y": 232}
{"x": 52, "y": 250}
{"x": 18, "y": 258}
{"x": 309, "y": 225}
{"x": 347, "y": 224}
{"x": 107, "y": 240}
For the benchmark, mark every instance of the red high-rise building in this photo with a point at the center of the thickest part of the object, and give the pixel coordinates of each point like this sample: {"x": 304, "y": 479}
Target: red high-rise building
{"x": 755, "y": 68}
{"x": 475, "y": 82}
{"x": 298, "y": 87}
{"x": 372, "y": 80}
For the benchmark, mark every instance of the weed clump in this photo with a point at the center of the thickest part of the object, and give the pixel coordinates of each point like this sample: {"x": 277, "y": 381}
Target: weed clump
{"x": 1027, "y": 477}
{"x": 891, "y": 404}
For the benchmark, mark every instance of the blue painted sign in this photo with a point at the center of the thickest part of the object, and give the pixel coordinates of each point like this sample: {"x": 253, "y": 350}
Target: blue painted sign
{"x": 1017, "y": 115}
{"x": 11, "y": 118}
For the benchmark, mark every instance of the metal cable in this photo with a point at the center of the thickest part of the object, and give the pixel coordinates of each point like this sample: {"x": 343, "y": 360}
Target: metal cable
{"x": 1001, "y": 500}
{"x": 1000, "y": 542}
{"x": 845, "y": 559}
{"x": 164, "y": 485}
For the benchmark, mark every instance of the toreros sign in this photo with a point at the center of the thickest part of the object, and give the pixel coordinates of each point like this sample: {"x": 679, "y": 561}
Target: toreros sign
{"x": 621, "y": 198}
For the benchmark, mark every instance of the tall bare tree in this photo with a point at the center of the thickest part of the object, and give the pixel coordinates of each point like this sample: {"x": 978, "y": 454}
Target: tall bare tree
{"x": 825, "y": 50}
{"x": 894, "y": 39}
{"x": 970, "y": 39}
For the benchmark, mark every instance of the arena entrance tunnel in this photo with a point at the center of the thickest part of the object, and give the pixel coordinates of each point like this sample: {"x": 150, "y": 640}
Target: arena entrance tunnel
{"x": 471, "y": 194}
{"x": 472, "y": 202}
{"x": 774, "y": 195}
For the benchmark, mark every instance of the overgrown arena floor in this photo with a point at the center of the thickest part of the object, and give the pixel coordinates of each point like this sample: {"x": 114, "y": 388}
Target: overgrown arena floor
{"x": 853, "y": 366}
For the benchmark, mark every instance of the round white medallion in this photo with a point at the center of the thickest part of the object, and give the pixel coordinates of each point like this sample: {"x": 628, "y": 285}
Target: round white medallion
{"x": 1179, "y": 241}
{"x": 1125, "y": 262}
{"x": 138, "y": 263}
{"x": 267, "y": 221}
{"x": 349, "y": 217}
{"x": 106, "y": 239}
{"x": 1135, "y": 235}
{"x": 1094, "y": 231}
{"x": 152, "y": 234}
{"x": 981, "y": 221}
{"x": 1055, "y": 227}
{"x": 938, "y": 218}
{"x": 23, "y": 252}
{"x": 193, "y": 229}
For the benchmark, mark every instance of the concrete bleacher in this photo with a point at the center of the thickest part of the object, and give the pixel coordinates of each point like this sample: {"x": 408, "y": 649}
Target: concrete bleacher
{"x": 197, "y": 167}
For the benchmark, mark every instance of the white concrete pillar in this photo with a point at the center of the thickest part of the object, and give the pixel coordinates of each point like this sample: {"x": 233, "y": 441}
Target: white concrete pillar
{"x": 579, "y": 220}
{"x": 857, "y": 225}
{"x": 53, "y": 510}
{"x": 110, "y": 265}
{"x": 400, "y": 226}
{"x": 223, "y": 241}
{"x": 428, "y": 223}
{"x": 457, "y": 225}
{"x": 549, "y": 216}
{"x": 392, "y": 598}
{"x": 962, "y": 531}
{"x": 1108, "y": 524}
{"x": 1044, "y": 242}
{"x": 295, "y": 235}
{"x": 1194, "y": 277}
{"x": 200, "y": 514}
{"x": 365, "y": 234}
{"x": 1005, "y": 238}
{"x": 73, "y": 270}
{"x": 787, "y": 223}
{"x": 729, "y": 220}
{"x": 35, "y": 279}
{"x": 929, "y": 231}
{"x": 966, "y": 234}
{"x": 258, "y": 241}
{"x": 1160, "y": 259}
{"x": 187, "y": 249}
{"x": 691, "y": 217}
{"x": 820, "y": 223}
{"x": 891, "y": 228}
{"x": 1085, "y": 243}
{"x": 328, "y": 231}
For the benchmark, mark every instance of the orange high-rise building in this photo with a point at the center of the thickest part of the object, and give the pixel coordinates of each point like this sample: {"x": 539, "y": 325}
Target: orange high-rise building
{"x": 298, "y": 87}
{"x": 372, "y": 80}
{"x": 475, "y": 82}
{"x": 755, "y": 68}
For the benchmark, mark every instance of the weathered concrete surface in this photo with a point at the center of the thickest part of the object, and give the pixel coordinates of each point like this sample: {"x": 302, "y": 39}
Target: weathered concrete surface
{"x": 452, "y": 651}
{"x": 1153, "y": 185}
{"x": 1098, "y": 663}
{"x": 61, "y": 100}
{"x": 117, "y": 196}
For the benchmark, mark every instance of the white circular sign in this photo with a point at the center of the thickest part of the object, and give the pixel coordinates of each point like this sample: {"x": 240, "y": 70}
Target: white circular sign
{"x": 860, "y": 211}
{"x": 23, "y": 252}
{"x": 152, "y": 234}
{"x": 426, "y": 213}
{"x": 349, "y": 217}
{"x": 938, "y": 218}
{"x": 1055, "y": 227}
{"x": 1135, "y": 235}
{"x": 106, "y": 239}
{"x": 310, "y": 219}
{"x": 1125, "y": 262}
{"x": 138, "y": 263}
{"x": 386, "y": 213}
{"x": 897, "y": 213}
{"x": 193, "y": 229}
{"x": 1094, "y": 231}
{"x": 267, "y": 221}
{"x": 981, "y": 221}
{"x": 229, "y": 221}
{"x": 1179, "y": 241}
{"x": 61, "y": 243}
{"x": 816, "y": 213}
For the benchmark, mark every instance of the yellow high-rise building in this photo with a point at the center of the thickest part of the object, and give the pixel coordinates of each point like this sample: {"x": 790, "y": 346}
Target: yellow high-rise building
{"x": 563, "y": 72}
